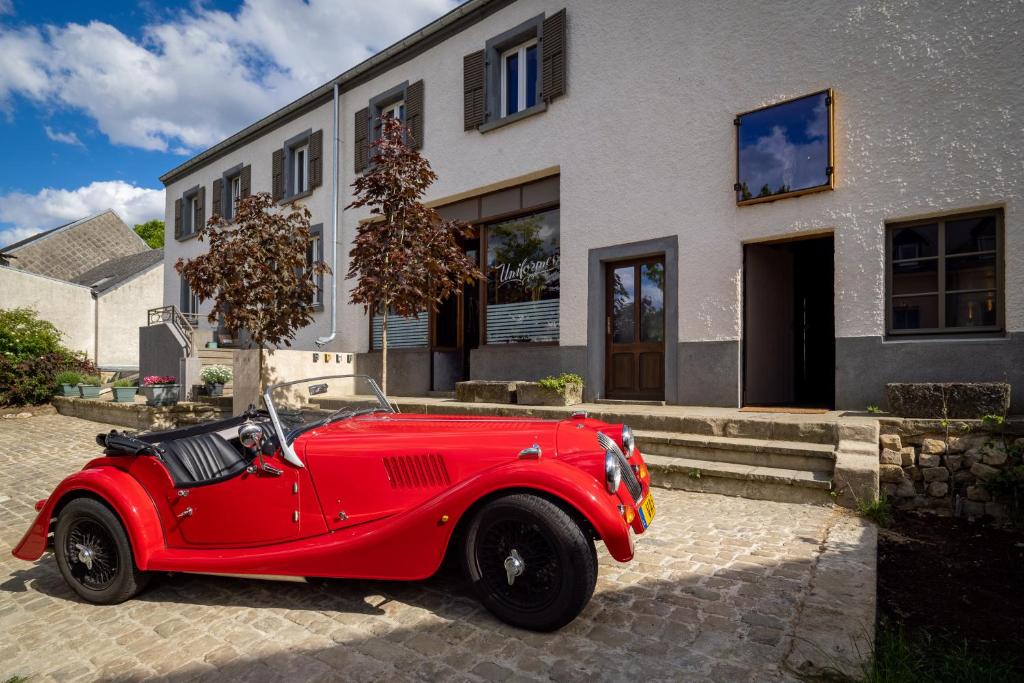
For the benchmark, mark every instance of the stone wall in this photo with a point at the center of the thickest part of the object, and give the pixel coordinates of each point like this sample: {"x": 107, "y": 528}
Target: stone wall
{"x": 930, "y": 465}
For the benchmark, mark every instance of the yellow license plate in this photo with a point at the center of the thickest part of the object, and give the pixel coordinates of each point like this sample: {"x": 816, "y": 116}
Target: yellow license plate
{"x": 647, "y": 510}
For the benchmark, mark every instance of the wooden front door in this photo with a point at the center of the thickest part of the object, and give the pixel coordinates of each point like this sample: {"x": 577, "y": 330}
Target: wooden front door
{"x": 635, "y": 329}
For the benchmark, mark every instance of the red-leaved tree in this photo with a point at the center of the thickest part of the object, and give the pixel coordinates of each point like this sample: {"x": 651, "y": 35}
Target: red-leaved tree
{"x": 406, "y": 259}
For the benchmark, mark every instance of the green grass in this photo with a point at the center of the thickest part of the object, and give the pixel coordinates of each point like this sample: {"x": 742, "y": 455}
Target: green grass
{"x": 878, "y": 510}
{"x": 898, "y": 659}
{"x": 17, "y": 679}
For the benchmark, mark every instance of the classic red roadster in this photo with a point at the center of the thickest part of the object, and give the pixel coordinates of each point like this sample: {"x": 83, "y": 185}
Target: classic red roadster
{"x": 322, "y": 486}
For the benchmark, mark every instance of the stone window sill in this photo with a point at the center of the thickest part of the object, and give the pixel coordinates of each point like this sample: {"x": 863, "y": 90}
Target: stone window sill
{"x": 294, "y": 198}
{"x": 512, "y": 118}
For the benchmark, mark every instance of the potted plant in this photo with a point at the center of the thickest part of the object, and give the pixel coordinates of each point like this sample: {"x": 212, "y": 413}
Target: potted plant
{"x": 89, "y": 387}
{"x": 125, "y": 390}
{"x": 69, "y": 381}
{"x": 160, "y": 390}
{"x": 564, "y": 390}
{"x": 215, "y": 377}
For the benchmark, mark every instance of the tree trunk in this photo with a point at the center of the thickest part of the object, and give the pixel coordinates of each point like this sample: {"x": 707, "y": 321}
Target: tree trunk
{"x": 384, "y": 353}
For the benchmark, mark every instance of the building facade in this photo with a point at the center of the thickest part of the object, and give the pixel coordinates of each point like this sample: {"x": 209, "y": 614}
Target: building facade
{"x": 701, "y": 204}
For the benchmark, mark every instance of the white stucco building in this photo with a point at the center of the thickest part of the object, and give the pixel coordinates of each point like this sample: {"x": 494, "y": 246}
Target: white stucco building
{"x": 611, "y": 156}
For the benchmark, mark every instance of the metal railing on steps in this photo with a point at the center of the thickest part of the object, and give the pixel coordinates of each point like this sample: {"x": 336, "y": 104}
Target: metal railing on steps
{"x": 183, "y": 323}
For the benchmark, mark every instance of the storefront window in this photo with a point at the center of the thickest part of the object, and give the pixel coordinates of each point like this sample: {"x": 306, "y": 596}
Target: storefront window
{"x": 523, "y": 272}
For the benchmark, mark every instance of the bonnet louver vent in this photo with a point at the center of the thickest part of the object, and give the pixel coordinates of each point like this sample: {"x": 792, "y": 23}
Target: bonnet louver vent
{"x": 416, "y": 471}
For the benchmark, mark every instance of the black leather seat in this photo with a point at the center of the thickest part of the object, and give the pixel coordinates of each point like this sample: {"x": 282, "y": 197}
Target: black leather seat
{"x": 201, "y": 459}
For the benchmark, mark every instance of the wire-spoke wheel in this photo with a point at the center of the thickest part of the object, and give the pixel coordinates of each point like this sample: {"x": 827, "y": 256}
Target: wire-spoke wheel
{"x": 530, "y": 563}
{"x": 94, "y": 554}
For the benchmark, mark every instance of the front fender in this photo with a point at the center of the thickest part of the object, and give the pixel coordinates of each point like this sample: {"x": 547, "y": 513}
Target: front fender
{"x": 116, "y": 488}
{"x": 573, "y": 487}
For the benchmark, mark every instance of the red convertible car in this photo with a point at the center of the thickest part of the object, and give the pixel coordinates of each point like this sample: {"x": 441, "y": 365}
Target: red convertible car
{"x": 321, "y": 486}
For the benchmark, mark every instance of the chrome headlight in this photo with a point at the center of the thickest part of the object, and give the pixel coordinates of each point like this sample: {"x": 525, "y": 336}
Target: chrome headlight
{"x": 612, "y": 472}
{"x": 628, "y": 442}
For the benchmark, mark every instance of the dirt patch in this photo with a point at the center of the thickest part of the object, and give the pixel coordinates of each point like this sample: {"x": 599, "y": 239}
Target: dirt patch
{"x": 952, "y": 581}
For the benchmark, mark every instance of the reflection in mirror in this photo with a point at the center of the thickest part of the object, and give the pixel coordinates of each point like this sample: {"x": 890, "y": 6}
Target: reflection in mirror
{"x": 785, "y": 148}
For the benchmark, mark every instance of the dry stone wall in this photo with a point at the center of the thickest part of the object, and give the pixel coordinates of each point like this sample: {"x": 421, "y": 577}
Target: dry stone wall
{"x": 921, "y": 465}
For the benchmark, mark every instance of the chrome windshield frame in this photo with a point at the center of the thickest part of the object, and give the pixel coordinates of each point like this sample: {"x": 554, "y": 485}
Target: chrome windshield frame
{"x": 287, "y": 452}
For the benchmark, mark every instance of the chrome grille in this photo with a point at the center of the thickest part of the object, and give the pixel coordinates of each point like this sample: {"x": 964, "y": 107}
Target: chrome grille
{"x": 628, "y": 475}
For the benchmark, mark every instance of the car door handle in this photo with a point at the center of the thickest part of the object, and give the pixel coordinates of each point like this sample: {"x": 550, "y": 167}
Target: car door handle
{"x": 187, "y": 512}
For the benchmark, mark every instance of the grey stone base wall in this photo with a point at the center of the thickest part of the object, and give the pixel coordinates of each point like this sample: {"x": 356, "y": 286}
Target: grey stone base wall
{"x": 709, "y": 373}
{"x": 865, "y": 364}
{"x": 408, "y": 370}
{"x": 528, "y": 363}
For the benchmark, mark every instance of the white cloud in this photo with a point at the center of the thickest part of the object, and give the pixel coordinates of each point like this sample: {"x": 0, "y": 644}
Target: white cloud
{"x": 194, "y": 80}
{"x": 69, "y": 138}
{"x": 28, "y": 214}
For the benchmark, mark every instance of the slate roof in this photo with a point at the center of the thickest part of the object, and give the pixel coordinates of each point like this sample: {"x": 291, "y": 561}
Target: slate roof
{"x": 115, "y": 271}
{"x": 69, "y": 250}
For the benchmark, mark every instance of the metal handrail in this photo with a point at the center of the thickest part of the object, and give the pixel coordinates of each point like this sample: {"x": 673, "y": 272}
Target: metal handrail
{"x": 176, "y": 319}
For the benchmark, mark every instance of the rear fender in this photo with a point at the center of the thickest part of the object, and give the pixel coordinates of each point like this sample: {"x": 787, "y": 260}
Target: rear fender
{"x": 120, "y": 491}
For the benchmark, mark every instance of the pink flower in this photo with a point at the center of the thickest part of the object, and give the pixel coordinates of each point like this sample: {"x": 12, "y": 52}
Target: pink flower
{"x": 153, "y": 380}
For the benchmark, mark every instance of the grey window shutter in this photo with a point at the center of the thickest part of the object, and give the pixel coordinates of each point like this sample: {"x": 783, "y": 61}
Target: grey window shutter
{"x": 177, "y": 219}
{"x": 246, "y": 180}
{"x": 474, "y": 76}
{"x": 277, "y": 175}
{"x": 360, "y": 139}
{"x": 218, "y": 197}
{"x": 200, "y": 210}
{"x": 316, "y": 159}
{"x": 552, "y": 55}
{"x": 414, "y": 113}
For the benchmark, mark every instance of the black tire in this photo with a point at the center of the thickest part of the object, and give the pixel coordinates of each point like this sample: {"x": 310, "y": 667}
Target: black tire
{"x": 87, "y": 525}
{"x": 559, "y": 569}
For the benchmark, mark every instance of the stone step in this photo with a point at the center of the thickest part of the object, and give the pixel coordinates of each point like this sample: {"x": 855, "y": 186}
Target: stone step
{"x": 221, "y": 402}
{"x": 731, "y": 479}
{"x": 794, "y": 455}
{"x": 215, "y": 356}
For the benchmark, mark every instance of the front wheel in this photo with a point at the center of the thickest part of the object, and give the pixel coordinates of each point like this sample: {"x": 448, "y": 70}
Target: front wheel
{"x": 94, "y": 554}
{"x": 530, "y": 563}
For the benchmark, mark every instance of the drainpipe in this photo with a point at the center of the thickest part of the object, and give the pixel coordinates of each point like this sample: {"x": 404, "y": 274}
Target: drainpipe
{"x": 322, "y": 341}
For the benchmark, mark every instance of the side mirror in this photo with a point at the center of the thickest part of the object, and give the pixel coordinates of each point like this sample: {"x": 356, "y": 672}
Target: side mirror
{"x": 251, "y": 436}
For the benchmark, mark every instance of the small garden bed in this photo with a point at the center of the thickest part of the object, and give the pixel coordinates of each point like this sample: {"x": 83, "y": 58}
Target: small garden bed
{"x": 950, "y": 605}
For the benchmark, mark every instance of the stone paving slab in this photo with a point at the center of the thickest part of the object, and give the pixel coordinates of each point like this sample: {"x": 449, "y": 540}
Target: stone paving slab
{"x": 719, "y": 591}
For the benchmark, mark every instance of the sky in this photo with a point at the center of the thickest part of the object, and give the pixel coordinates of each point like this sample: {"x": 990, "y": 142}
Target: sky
{"x": 98, "y": 99}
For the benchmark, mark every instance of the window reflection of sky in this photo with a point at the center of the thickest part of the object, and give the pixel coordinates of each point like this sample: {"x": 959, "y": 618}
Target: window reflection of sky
{"x": 784, "y": 148}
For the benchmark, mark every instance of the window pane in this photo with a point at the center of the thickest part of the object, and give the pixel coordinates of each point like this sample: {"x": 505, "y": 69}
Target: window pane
{"x": 623, "y": 305}
{"x": 531, "y": 75}
{"x": 512, "y": 83}
{"x": 915, "y": 277}
{"x": 652, "y": 302}
{"x": 402, "y": 332}
{"x": 523, "y": 279}
{"x": 972, "y": 234}
{"x": 916, "y": 242}
{"x": 915, "y": 313}
{"x": 971, "y": 272}
{"x": 784, "y": 147}
{"x": 971, "y": 310}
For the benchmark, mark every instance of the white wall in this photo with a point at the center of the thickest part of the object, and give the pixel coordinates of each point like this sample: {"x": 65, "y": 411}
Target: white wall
{"x": 929, "y": 101}
{"x": 69, "y": 307}
{"x": 120, "y": 312}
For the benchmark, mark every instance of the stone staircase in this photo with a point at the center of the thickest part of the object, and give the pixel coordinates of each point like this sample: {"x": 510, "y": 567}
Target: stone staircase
{"x": 765, "y": 469}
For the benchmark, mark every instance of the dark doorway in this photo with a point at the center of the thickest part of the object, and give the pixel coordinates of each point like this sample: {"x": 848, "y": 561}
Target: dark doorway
{"x": 635, "y": 329}
{"x": 789, "y": 345}
{"x": 455, "y": 331}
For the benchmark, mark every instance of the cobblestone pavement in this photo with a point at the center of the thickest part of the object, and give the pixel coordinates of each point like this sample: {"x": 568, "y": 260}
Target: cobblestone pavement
{"x": 715, "y": 593}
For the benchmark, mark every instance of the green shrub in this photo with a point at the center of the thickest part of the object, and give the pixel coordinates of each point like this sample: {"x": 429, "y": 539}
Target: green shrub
{"x": 91, "y": 381}
{"x": 216, "y": 374}
{"x": 69, "y": 377}
{"x": 122, "y": 383}
{"x": 22, "y": 333}
{"x": 558, "y": 384}
{"x": 31, "y": 380}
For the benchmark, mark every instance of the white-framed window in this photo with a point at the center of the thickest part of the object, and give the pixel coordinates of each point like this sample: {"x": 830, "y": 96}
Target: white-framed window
{"x": 519, "y": 69}
{"x": 396, "y": 109}
{"x": 234, "y": 192}
{"x": 191, "y": 204}
{"x": 314, "y": 255}
{"x": 300, "y": 176}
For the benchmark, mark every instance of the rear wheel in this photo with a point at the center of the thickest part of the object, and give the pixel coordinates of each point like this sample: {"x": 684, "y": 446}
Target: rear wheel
{"x": 94, "y": 554}
{"x": 530, "y": 562}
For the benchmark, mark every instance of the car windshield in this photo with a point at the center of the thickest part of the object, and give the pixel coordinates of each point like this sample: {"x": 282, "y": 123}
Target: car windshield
{"x": 299, "y": 406}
